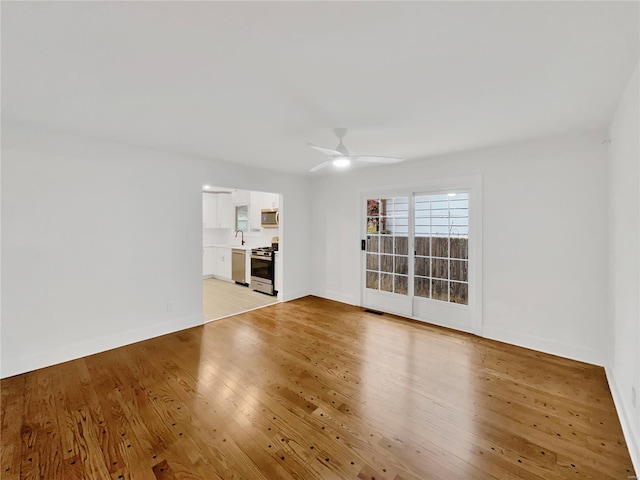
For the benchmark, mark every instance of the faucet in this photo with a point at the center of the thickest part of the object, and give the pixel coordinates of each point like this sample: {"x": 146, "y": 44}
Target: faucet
{"x": 241, "y": 236}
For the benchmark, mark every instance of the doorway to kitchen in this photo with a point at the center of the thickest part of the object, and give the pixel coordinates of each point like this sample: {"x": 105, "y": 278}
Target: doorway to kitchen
{"x": 241, "y": 254}
{"x": 422, "y": 253}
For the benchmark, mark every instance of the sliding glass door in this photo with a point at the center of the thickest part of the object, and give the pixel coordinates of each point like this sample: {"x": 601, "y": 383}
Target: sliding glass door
{"x": 419, "y": 258}
{"x": 387, "y": 269}
{"x": 441, "y": 274}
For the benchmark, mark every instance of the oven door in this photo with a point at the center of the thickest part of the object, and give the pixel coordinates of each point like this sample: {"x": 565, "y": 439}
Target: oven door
{"x": 262, "y": 274}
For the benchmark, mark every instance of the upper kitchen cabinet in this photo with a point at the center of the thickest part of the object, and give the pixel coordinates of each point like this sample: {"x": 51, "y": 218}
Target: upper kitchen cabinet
{"x": 225, "y": 211}
{"x": 260, "y": 201}
{"x": 209, "y": 210}
{"x": 217, "y": 210}
{"x": 241, "y": 197}
{"x": 254, "y": 203}
{"x": 270, "y": 200}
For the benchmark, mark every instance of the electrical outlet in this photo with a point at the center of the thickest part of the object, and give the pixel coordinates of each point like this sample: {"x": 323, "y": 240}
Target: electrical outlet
{"x": 169, "y": 307}
{"x": 633, "y": 396}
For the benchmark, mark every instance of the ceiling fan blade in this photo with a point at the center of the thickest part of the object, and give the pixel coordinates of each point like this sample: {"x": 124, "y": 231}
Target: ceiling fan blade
{"x": 326, "y": 151}
{"x": 373, "y": 159}
{"x": 321, "y": 165}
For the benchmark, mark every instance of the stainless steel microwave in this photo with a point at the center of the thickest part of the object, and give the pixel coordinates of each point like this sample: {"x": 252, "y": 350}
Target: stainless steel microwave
{"x": 269, "y": 218}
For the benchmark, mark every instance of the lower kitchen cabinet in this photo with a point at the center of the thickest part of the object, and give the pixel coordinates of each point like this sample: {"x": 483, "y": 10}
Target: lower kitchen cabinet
{"x": 225, "y": 212}
{"x": 222, "y": 267}
{"x": 208, "y": 261}
{"x": 216, "y": 261}
{"x": 278, "y": 272}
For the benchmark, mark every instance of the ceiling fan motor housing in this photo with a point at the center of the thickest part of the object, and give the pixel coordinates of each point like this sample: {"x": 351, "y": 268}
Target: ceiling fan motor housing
{"x": 340, "y": 156}
{"x": 340, "y": 133}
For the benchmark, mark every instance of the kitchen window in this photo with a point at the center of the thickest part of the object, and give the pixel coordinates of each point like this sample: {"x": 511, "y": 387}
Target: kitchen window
{"x": 242, "y": 218}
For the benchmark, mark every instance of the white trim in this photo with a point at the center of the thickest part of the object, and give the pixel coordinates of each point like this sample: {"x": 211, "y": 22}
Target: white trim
{"x": 388, "y": 302}
{"x": 338, "y": 297}
{"x": 81, "y": 349}
{"x": 224, "y": 279}
{"x": 625, "y": 421}
{"x": 436, "y": 185}
{"x": 437, "y": 323}
{"x": 205, "y": 320}
{"x": 545, "y": 345}
{"x": 475, "y": 251}
{"x": 305, "y": 292}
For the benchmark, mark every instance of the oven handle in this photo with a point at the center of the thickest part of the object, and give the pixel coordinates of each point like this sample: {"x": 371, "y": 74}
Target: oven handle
{"x": 268, "y": 259}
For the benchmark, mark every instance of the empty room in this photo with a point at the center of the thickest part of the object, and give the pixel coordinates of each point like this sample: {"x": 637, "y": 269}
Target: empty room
{"x": 320, "y": 240}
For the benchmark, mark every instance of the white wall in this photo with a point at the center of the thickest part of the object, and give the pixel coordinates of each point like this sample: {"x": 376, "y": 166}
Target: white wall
{"x": 545, "y": 238}
{"x": 215, "y": 236}
{"x": 624, "y": 197}
{"x": 97, "y": 238}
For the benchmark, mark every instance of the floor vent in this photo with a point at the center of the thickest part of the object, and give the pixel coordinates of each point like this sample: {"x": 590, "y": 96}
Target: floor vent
{"x": 373, "y": 311}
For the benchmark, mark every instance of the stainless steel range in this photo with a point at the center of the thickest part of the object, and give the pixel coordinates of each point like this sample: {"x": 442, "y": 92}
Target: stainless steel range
{"x": 262, "y": 270}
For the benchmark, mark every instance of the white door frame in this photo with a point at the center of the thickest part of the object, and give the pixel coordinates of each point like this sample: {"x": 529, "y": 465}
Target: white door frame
{"x": 472, "y": 184}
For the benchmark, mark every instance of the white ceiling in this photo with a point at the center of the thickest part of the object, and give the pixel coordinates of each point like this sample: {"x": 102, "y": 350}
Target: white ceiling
{"x": 253, "y": 82}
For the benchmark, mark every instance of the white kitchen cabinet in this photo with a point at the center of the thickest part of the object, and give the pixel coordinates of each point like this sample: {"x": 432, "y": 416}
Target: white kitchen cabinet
{"x": 254, "y": 210}
{"x": 222, "y": 265}
{"x": 216, "y": 261}
{"x": 270, "y": 200}
{"x": 247, "y": 267}
{"x": 241, "y": 197}
{"x": 217, "y": 210}
{"x": 209, "y": 210}
{"x": 208, "y": 261}
{"x": 225, "y": 211}
{"x": 277, "y": 273}
{"x": 260, "y": 201}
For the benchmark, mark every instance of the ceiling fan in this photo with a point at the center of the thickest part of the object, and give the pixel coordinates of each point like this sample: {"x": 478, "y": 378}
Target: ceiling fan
{"x": 340, "y": 157}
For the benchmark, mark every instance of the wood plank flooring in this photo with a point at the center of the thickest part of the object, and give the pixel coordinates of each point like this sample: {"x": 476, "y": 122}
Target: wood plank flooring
{"x": 221, "y": 299}
{"x": 313, "y": 389}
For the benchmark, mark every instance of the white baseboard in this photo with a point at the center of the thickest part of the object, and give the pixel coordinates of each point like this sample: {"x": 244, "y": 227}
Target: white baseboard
{"x": 540, "y": 344}
{"x": 297, "y": 294}
{"x": 205, "y": 320}
{"x": 459, "y": 328}
{"x": 64, "y": 353}
{"x": 338, "y": 297}
{"x": 633, "y": 443}
{"x": 545, "y": 345}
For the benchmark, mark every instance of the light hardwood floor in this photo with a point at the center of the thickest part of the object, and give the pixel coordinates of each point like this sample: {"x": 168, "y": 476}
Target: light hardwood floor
{"x": 221, "y": 299}
{"x": 313, "y": 389}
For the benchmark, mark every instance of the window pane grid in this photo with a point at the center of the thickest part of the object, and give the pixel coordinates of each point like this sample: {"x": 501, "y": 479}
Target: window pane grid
{"x": 387, "y": 244}
{"x": 441, "y": 221}
{"x": 440, "y": 253}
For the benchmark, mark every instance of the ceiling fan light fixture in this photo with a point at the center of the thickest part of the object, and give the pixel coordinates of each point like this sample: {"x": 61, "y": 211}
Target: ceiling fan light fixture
{"x": 341, "y": 162}
{"x": 341, "y": 158}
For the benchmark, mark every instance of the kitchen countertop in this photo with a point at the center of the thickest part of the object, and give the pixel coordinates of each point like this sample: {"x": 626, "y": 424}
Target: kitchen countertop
{"x": 240, "y": 247}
